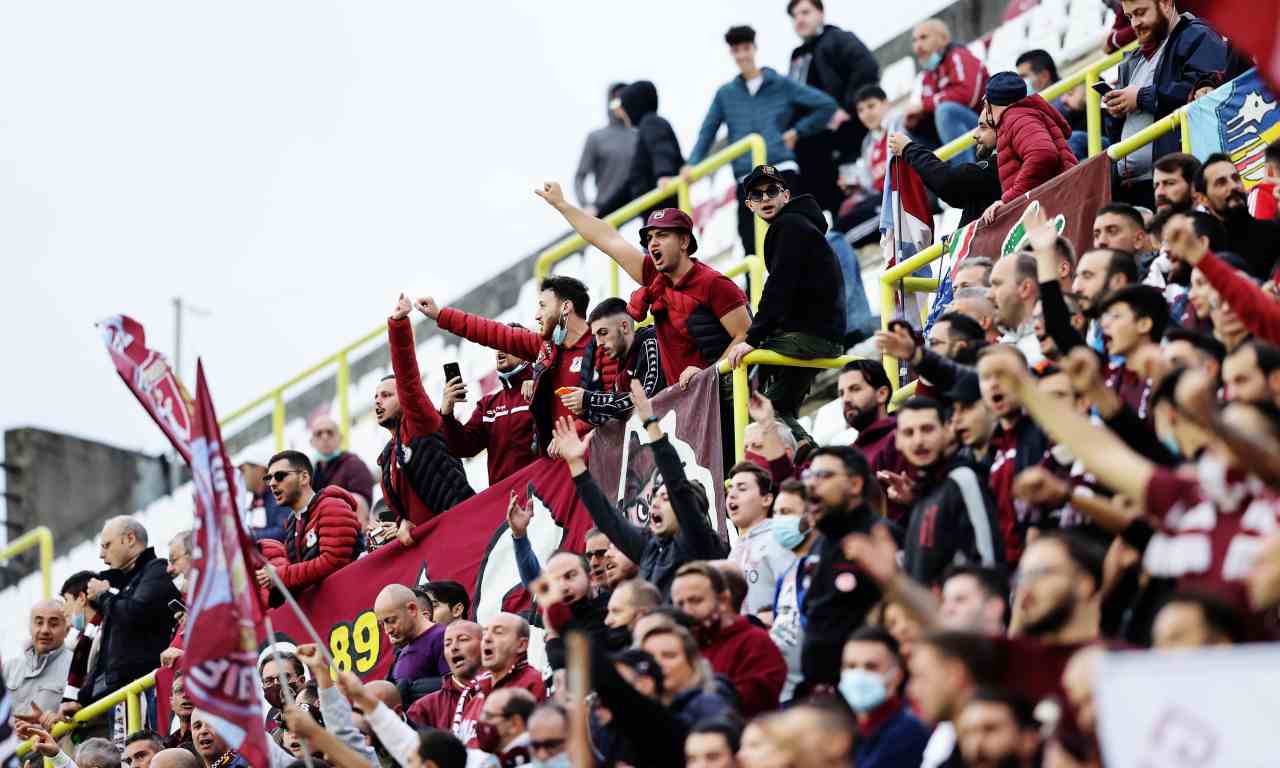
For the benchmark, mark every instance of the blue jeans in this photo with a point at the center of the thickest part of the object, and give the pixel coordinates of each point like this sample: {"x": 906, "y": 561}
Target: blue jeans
{"x": 953, "y": 121}
{"x": 1078, "y": 141}
{"x": 858, "y": 321}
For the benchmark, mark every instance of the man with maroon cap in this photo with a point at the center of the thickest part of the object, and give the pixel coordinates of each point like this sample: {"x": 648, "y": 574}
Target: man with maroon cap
{"x": 698, "y": 312}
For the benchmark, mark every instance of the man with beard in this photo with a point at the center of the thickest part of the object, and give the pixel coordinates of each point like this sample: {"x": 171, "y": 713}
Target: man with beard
{"x": 418, "y": 664}
{"x": 736, "y": 648}
{"x": 844, "y": 498}
{"x": 1099, "y": 273}
{"x": 1250, "y": 373}
{"x": 566, "y": 574}
{"x": 1175, "y": 52}
{"x": 501, "y": 423}
{"x": 972, "y": 187}
{"x": 1220, "y": 189}
{"x": 865, "y": 391}
{"x": 953, "y": 515}
{"x": 1174, "y": 176}
{"x": 462, "y": 653}
{"x": 997, "y": 730}
{"x": 420, "y": 479}
{"x": 617, "y": 353}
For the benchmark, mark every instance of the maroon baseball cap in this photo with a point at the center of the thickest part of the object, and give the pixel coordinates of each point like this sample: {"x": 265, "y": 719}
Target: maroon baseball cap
{"x": 669, "y": 218}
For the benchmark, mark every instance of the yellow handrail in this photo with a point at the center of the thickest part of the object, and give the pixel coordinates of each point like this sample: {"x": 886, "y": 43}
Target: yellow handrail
{"x": 753, "y": 268}
{"x": 130, "y": 695}
{"x": 41, "y": 537}
{"x": 574, "y": 243}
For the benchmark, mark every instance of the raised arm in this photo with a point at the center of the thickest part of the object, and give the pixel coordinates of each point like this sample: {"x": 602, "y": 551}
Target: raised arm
{"x": 521, "y": 342}
{"x": 420, "y": 413}
{"x": 596, "y": 231}
{"x": 625, "y": 536}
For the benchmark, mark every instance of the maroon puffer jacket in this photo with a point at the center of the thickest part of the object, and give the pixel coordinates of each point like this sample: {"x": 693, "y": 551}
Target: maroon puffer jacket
{"x": 319, "y": 544}
{"x": 1031, "y": 146}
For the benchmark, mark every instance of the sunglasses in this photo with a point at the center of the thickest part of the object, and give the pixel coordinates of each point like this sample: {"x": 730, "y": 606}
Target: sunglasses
{"x": 281, "y": 475}
{"x": 592, "y": 554}
{"x": 768, "y": 193}
{"x": 548, "y": 745}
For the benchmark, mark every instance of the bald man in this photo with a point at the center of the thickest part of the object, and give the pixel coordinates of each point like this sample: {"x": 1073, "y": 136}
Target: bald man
{"x": 335, "y": 466}
{"x": 462, "y": 640}
{"x": 418, "y": 666}
{"x": 175, "y": 758}
{"x": 137, "y": 623}
{"x": 36, "y": 677}
{"x": 952, "y": 87}
{"x": 503, "y": 656}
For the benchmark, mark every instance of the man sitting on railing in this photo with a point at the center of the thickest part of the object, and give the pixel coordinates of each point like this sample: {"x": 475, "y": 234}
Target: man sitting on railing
{"x": 618, "y": 353}
{"x": 420, "y": 478}
{"x": 801, "y": 312}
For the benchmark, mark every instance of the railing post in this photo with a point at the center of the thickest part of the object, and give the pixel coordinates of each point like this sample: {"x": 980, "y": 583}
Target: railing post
{"x": 344, "y": 399}
{"x": 1093, "y": 111}
{"x": 755, "y": 272}
{"x": 614, "y": 288}
{"x": 741, "y": 394}
{"x": 1184, "y": 127}
{"x": 133, "y": 711}
{"x": 277, "y": 419}
{"x": 683, "y": 200}
{"x": 888, "y": 305}
{"x": 46, "y": 561}
{"x": 759, "y": 154}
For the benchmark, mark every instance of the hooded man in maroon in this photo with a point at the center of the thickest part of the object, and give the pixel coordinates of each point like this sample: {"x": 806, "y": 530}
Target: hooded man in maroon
{"x": 420, "y": 478}
{"x": 501, "y": 423}
{"x": 736, "y": 648}
{"x": 1031, "y": 138}
{"x": 322, "y": 534}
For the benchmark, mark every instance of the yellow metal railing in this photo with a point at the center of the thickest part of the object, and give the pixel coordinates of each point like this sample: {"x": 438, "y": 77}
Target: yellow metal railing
{"x": 753, "y": 268}
{"x": 36, "y": 537}
{"x": 574, "y": 243}
{"x": 131, "y": 695}
{"x": 1087, "y": 76}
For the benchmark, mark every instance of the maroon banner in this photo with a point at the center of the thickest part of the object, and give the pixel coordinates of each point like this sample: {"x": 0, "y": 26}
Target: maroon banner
{"x": 223, "y": 624}
{"x": 148, "y": 376}
{"x": 622, "y": 463}
{"x": 469, "y": 544}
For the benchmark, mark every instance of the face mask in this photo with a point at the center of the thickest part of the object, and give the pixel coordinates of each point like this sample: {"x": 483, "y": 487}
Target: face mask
{"x": 786, "y": 531}
{"x": 1171, "y": 443}
{"x": 487, "y": 738}
{"x": 331, "y": 456}
{"x": 1031, "y": 87}
{"x": 559, "y": 761}
{"x": 933, "y": 61}
{"x": 77, "y": 621}
{"x": 559, "y": 334}
{"x": 617, "y": 638}
{"x": 863, "y": 690}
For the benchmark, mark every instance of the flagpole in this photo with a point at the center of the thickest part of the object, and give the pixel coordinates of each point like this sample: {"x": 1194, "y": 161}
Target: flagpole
{"x": 297, "y": 611}
{"x": 285, "y": 690}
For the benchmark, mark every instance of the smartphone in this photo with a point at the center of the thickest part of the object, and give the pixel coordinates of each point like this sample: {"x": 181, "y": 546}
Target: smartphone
{"x": 1103, "y": 88}
{"x": 176, "y": 606}
{"x": 451, "y": 372}
{"x": 528, "y": 492}
{"x": 387, "y": 516}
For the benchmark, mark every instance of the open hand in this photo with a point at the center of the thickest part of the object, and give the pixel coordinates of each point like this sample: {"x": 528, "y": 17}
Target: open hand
{"x": 45, "y": 744}
{"x": 571, "y": 448}
{"x": 1041, "y": 233}
{"x": 896, "y": 343}
{"x": 760, "y": 408}
{"x": 518, "y": 516}
{"x": 877, "y": 553}
{"x": 898, "y": 486}
{"x": 739, "y": 351}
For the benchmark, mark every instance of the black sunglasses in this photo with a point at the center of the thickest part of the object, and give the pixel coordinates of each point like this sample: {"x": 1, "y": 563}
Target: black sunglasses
{"x": 281, "y": 475}
{"x": 769, "y": 192}
{"x": 592, "y": 554}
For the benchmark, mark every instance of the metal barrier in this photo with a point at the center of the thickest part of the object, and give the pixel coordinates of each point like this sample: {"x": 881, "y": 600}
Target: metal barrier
{"x": 753, "y": 268}
{"x": 36, "y": 537}
{"x": 130, "y": 695}
{"x": 574, "y": 243}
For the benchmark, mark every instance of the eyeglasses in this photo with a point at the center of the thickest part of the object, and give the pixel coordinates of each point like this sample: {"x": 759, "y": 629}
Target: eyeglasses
{"x": 593, "y": 554}
{"x": 324, "y": 433}
{"x": 281, "y": 475}
{"x": 818, "y": 474}
{"x": 769, "y": 192}
{"x": 546, "y": 746}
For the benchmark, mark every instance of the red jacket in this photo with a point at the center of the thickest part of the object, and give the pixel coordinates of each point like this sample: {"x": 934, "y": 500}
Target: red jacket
{"x": 435, "y": 710}
{"x": 418, "y": 415}
{"x": 1031, "y": 146}
{"x": 472, "y": 702}
{"x": 960, "y": 78}
{"x": 1258, "y": 311}
{"x": 746, "y": 655}
{"x": 318, "y": 542}
{"x": 502, "y": 424}
{"x": 553, "y": 366}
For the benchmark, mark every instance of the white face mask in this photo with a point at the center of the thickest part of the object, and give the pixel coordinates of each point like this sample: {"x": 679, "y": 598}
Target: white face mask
{"x": 559, "y": 761}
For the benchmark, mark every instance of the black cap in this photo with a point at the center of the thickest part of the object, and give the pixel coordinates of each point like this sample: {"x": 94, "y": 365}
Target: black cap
{"x": 640, "y": 662}
{"x": 965, "y": 390}
{"x": 763, "y": 172}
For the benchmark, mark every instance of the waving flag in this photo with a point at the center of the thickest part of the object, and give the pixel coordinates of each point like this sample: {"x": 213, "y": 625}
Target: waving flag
{"x": 959, "y": 245}
{"x": 148, "y": 376}
{"x": 1252, "y": 27}
{"x": 224, "y": 617}
{"x": 906, "y": 228}
{"x": 1240, "y": 118}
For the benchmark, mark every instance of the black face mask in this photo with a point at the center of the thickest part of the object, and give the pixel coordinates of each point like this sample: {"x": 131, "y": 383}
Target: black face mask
{"x": 617, "y": 638}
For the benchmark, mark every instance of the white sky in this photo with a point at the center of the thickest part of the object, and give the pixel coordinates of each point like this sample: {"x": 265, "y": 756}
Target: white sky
{"x": 291, "y": 166}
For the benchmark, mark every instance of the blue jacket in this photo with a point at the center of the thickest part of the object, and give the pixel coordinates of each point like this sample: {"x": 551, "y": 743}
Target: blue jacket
{"x": 1192, "y": 52}
{"x": 780, "y": 105}
{"x": 898, "y": 742}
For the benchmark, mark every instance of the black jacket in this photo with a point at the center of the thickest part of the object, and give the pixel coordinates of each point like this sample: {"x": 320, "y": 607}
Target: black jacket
{"x": 841, "y": 65}
{"x": 658, "y": 558}
{"x": 601, "y": 402}
{"x": 944, "y": 530}
{"x": 657, "y": 153}
{"x": 1254, "y": 239}
{"x": 972, "y": 187}
{"x": 137, "y": 625}
{"x": 805, "y": 288}
{"x": 839, "y": 596}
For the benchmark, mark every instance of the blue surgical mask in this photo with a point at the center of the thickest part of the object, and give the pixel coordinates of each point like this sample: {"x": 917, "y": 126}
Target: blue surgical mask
{"x": 1031, "y": 87}
{"x": 559, "y": 761}
{"x": 561, "y": 330}
{"x": 77, "y": 621}
{"x": 864, "y": 690}
{"x": 933, "y": 61}
{"x": 1171, "y": 443}
{"x": 331, "y": 456}
{"x": 786, "y": 531}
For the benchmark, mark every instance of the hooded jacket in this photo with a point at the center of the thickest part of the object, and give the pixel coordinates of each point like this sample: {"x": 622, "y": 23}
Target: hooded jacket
{"x": 137, "y": 626}
{"x": 804, "y": 292}
{"x": 607, "y": 157}
{"x": 501, "y": 424}
{"x": 325, "y": 537}
{"x": 972, "y": 187}
{"x": 657, "y": 153}
{"x": 1031, "y": 145}
{"x": 748, "y": 657}
{"x": 658, "y": 558}
{"x": 953, "y": 522}
{"x": 840, "y": 66}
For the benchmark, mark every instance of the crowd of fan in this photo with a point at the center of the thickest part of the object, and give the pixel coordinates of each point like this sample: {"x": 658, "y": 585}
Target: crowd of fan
{"x": 1088, "y": 462}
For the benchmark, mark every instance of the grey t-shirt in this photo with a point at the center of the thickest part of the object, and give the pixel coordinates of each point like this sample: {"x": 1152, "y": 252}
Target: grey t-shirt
{"x": 763, "y": 561}
{"x": 1137, "y": 166}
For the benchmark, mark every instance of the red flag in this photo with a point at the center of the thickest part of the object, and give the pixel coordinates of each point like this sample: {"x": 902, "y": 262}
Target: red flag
{"x": 224, "y": 618}
{"x": 1250, "y": 26}
{"x": 147, "y": 374}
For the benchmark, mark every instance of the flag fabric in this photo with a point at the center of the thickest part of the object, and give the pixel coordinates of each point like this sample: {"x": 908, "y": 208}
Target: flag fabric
{"x": 469, "y": 544}
{"x": 622, "y": 463}
{"x": 1251, "y": 27}
{"x": 8, "y": 737}
{"x": 1240, "y": 119}
{"x": 148, "y": 376}
{"x": 224, "y": 616}
{"x": 959, "y": 245}
{"x": 906, "y": 228}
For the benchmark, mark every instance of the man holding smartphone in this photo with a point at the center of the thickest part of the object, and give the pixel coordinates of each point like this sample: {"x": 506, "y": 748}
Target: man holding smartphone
{"x": 501, "y": 422}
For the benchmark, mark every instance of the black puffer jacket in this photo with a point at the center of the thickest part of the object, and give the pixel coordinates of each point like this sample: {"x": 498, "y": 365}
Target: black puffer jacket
{"x": 657, "y": 153}
{"x": 137, "y": 625}
{"x": 435, "y": 475}
{"x": 805, "y": 289}
{"x": 953, "y": 522}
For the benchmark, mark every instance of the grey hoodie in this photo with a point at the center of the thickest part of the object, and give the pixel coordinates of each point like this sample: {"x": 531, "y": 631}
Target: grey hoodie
{"x": 607, "y": 157}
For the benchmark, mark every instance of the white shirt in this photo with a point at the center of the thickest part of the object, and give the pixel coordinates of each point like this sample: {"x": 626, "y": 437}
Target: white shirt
{"x": 753, "y": 85}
